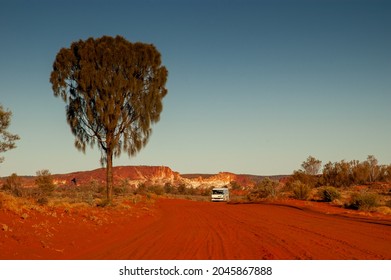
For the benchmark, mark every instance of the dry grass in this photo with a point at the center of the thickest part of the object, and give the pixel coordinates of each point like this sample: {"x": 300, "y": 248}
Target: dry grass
{"x": 71, "y": 204}
{"x": 90, "y": 196}
{"x": 17, "y": 205}
{"x": 386, "y": 210}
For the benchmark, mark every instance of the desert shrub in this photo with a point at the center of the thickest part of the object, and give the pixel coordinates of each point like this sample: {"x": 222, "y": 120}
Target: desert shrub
{"x": 363, "y": 201}
{"x": 95, "y": 186}
{"x": 86, "y": 193}
{"x": 308, "y": 179}
{"x": 89, "y": 199}
{"x": 206, "y": 191}
{"x": 153, "y": 189}
{"x": 123, "y": 188}
{"x": 119, "y": 190}
{"x": 158, "y": 190}
{"x": 191, "y": 191}
{"x": 13, "y": 184}
{"x": 103, "y": 203}
{"x": 384, "y": 210}
{"x": 329, "y": 193}
{"x": 264, "y": 189}
{"x": 42, "y": 201}
{"x": 338, "y": 174}
{"x": 300, "y": 190}
{"x": 169, "y": 189}
{"x": 235, "y": 186}
{"x": 141, "y": 189}
{"x": 10, "y": 203}
{"x": 182, "y": 189}
{"x": 44, "y": 181}
{"x": 17, "y": 205}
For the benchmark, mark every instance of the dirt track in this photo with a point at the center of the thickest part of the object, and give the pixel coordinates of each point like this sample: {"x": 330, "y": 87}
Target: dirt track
{"x": 183, "y": 229}
{"x": 201, "y": 230}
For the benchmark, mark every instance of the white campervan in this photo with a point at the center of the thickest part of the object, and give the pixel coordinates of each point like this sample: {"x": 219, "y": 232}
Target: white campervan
{"x": 220, "y": 194}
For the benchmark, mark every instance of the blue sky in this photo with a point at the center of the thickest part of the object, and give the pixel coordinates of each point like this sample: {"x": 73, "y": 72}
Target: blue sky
{"x": 254, "y": 86}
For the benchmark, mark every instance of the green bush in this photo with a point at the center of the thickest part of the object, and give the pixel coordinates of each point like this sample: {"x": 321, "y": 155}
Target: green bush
{"x": 44, "y": 181}
{"x": 182, "y": 189}
{"x": 13, "y": 184}
{"x": 169, "y": 189}
{"x": 329, "y": 194}
{"x": 153, "y": 189}
{"x": 121, "y": 190}
{"x": 158, "y": 190}
{"x": 264, "y": 189}
{"x": 363, "y": 201}
{"x": 141, "y": 189}
{"x": 300, "y": 191}
{"x": 299, "y": 175}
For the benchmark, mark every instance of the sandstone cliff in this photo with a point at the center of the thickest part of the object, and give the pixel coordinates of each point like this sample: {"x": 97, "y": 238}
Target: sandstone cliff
{"x": 158, "y": 175}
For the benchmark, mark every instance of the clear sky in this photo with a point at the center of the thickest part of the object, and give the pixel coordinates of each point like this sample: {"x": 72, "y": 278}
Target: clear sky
{"x": 254, "y": 86}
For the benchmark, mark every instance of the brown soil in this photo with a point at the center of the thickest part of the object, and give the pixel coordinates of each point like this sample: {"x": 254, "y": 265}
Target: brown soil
{"x": 189, "y": 230}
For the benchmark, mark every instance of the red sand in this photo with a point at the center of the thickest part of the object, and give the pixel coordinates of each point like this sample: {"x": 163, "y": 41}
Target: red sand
{"x": 181, "y": 229}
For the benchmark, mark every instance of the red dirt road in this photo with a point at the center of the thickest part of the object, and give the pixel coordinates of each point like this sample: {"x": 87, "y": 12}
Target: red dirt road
{"x": 199, "y": 230}
{"x": 181, "y": 229}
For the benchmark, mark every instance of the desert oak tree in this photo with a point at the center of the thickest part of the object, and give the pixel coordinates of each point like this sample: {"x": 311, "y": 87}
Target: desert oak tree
{"x": 311, "y": 166}
{"x": 7, "y": 140}
{"x": 113, "y": 90}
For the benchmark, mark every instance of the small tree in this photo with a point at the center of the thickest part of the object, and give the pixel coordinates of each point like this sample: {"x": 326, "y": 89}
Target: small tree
{"x": 373, "y": 168}
{"x": 360, "y": 172}
{"x": 308, "y": 174}
{"x": 7, "y": 140}
{"x": 13, "y": 184}
{"x": 311, "y": 166}
{"x": 338, "y": 174}
{"x": 385, "y": 173}
{"x": 300, "y": 175}
{"x": 114, "y": 91}
{"x": 44, "y": 181}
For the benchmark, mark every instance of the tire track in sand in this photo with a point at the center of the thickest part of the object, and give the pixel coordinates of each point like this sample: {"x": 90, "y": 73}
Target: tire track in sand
{"x": 185, "y": 229}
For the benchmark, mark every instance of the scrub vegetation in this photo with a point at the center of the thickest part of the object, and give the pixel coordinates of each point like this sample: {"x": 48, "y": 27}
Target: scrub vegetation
{"x": 365, "y": 186}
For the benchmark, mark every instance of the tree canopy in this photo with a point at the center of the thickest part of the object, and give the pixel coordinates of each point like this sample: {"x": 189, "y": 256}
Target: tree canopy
{"x": 113, "y": 90}
{"x": 311, "y": 166}
{"x": 7, "y": 140}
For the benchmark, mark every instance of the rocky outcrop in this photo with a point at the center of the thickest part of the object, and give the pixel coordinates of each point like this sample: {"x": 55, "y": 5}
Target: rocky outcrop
{"x": 218, "y": 180}
{"x": 131, "y": 174}
{"x": 151, "y": 175}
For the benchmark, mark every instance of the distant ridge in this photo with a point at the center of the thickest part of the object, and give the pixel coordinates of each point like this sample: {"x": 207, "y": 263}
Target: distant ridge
{"x": 158, "y": 175}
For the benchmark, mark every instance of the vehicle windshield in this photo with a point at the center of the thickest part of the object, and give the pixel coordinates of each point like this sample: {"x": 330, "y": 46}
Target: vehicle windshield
{"x": 218, "y": 192}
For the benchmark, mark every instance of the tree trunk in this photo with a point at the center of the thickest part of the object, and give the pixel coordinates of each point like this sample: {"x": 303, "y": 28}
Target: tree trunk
{"x": 109, "y": 175}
